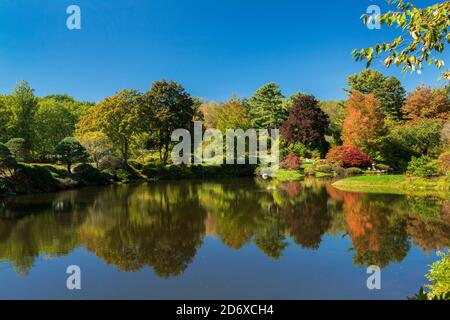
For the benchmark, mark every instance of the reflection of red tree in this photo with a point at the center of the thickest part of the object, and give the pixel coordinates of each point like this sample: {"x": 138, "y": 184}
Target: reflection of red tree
{"x": 291, "y": 188}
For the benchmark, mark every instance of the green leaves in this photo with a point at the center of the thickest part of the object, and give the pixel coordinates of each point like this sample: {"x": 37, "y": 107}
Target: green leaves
{"x": 426, "y": 31}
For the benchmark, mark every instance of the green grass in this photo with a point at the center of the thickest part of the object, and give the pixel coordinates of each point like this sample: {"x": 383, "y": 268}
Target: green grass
{"x": 288, "y": 175}
{"x": 397, "y": 184}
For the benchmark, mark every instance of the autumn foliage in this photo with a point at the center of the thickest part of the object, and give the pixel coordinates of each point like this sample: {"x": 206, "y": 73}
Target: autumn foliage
{"x": 364, "y": 122}
{"x": 306, "y": 123}
{"x": 348, "y": 156}
{"x": 291, "y": 162}
{"x": 425, "y": 102}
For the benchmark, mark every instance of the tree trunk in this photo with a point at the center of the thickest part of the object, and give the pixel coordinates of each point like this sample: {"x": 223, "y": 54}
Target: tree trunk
{"x": 69, "y": 165}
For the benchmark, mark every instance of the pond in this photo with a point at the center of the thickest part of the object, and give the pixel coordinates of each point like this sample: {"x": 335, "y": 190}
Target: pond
{"x": 227, "y": 239}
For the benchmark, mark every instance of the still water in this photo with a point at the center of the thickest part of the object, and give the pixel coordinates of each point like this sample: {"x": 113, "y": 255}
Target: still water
{"x": 228, "y": 239}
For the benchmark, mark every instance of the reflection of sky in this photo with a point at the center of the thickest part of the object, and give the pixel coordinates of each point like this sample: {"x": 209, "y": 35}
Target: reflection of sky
{"x": 218, "y": 272}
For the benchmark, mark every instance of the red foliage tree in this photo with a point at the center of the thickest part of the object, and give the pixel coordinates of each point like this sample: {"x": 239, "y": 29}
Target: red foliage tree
{"x": 306, "y": 123}
{"x": 348, "y": 156}
{"x": 291, "y": 162}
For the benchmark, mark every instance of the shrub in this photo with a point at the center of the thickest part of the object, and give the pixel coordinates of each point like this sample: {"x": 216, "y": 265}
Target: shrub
{"x": 292, "y": 162}
{"x": 90, "y": 175}
{"x": 353, "y": 171}
{"x": 348, "y": 156}
{"x": 123, "y": 175}
{"x": 340, "y": 172}
{"x": 296, "y": 148}
{"x": 325, "y": 168}
{"x": 28, "y": 179}
{"x": 109, "y": 162}
{"x": 439, "y": 275}
{"x": 422, "y": 167}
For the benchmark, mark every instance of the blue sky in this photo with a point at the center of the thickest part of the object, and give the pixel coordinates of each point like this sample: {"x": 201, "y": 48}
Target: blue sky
{"x": 215, "y": 48}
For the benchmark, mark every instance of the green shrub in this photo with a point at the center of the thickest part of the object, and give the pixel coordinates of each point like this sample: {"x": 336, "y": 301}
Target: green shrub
{"x": 28, "y": 179}
{"x": 325, "y": 168}
{"x": 353, "y": 171}
{"x": 422, "y": 167}
{"x": 439, "y": 275}
{"x": 90, "y": 175}
{"x": 123, "y": 175}
{"x": 18, "y": 148}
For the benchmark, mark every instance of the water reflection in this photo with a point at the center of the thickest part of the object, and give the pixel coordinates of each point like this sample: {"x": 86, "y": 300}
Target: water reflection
{"x": 163, "y": 225}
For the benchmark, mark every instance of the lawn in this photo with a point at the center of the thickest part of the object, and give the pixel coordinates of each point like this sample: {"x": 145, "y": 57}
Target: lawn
{"x": 398, "y": 184}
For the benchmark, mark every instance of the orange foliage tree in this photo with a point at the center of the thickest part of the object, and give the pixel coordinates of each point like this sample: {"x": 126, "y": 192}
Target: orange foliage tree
{"x": 426, "y": 102}
{"x": 364, "y": 122}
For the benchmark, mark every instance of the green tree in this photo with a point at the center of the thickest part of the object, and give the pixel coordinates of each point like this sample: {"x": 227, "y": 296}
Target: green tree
{"x": 267, "y": 109}
{"x": 233, "y": 115}
{"x": 388, "y": 90}
{"x": 23, "y": 105}
{"x": 97, "y": 144}
{"x": 119, "y": 117}
{"x": 425, "y": 32}
{"x": 53, "y": 122}
{"x": 5, "y": 119}
{"x": 7, "y": 161}
{"x": 18, "y": 148}
{"x": 70, "y": 151}
{"x": 168, "y": 107}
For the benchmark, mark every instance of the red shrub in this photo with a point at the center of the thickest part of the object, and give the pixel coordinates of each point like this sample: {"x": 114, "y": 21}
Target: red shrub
{"x": 348, "y": 156}
{"x": 291, "y": 162}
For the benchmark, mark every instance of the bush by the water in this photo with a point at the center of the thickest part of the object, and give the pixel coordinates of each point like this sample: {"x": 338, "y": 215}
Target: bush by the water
{"x": 325, "y": 168}
{"x": 291, "y": 162}
{"x": 354, "y": 171}
{"x": 347, "y": 157}
{"x": 90, "y": 175}
{"x": 423, "y": 167}
{"x": 109, "y": 162}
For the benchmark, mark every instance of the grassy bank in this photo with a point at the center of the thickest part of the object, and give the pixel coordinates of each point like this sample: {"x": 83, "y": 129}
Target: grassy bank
{"x": 399, "y": 184}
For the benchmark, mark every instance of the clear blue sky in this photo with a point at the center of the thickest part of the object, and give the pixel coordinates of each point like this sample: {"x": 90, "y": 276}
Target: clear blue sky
{"x": 215, "y": 48}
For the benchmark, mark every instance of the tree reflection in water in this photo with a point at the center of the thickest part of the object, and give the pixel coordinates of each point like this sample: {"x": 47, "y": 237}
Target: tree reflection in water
{"x": 162, "y": 225}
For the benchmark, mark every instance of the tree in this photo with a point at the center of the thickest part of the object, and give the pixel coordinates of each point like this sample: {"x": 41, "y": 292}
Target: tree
{"x": 405, "y": 140}
{"x": 119, "y": 117}
{"x": 23, "y": 106}
{"x": 169, "y": 107}
{"x": 266, "y": 107}
{"x": 7, "y": 161}
{"x": 5, "y": 119}
{"x": 425, "y": 31}
{"x": 70, "y": 151}
{"x": 233, "y": 115}
{"x": 388, "y": 90}
{"x": 97, "y": 144}
{"x": 426, "y": 102}
{"x": 53, "y": 122}
{"x": 335, "y": 111}
{"x": 210, "y": 112}
{"x": 306, "y": 123}
{"x": 348, "y": 156}
{"x": 18, "y": 148}
{"x": 364, "y": 124}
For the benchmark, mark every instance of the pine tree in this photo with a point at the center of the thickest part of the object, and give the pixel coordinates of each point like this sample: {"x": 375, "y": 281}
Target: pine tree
{"x": 266, "y": 107}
